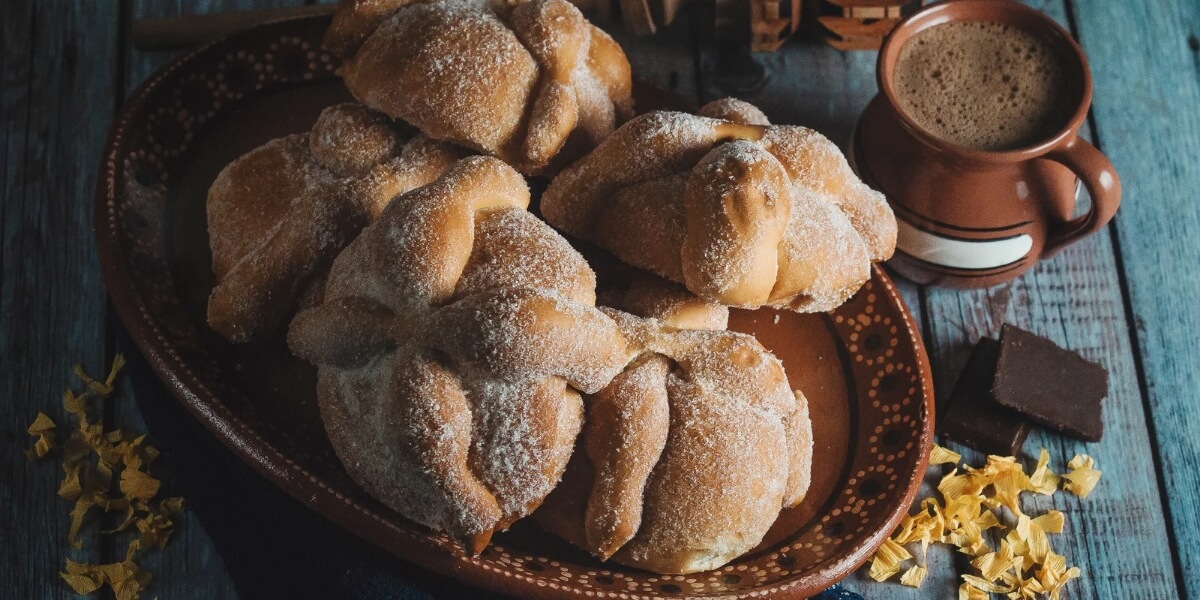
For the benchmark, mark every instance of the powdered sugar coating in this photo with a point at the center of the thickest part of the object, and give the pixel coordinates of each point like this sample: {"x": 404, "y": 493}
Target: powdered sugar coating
{"x": 746, "y": 249}
{"x": 513, "y": 81}
{"x": 279, "y": 214}
{"x": 504, "y": 331}
{"x": 690, "y": 453}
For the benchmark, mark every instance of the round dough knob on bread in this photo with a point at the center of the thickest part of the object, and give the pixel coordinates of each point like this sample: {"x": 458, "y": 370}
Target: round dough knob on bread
{"x": 525, "y": 82}
{"x": 279, "y": 214}
{"x": 689, "y": 455}
{"x": 742, "y": 212}
{"x": 454, "y": 339}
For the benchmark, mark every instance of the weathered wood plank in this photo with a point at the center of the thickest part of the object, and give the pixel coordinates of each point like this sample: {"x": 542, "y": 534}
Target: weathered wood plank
{"x": 1145, "y": 59}
{"x": 1118, "y": 535}
{"x": 808, "y": 83}
{"x": 190, "y": 567}
{"x": 56, "y": 88}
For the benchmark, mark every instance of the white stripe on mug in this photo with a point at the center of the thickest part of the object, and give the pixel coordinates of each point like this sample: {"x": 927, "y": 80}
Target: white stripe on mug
{"x": 960, "y": 253}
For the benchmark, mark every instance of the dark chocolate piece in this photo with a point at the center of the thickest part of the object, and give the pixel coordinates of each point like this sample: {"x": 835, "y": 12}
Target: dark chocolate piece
{"x": 1054, "y": 387}
{"x": 974, "y": 419}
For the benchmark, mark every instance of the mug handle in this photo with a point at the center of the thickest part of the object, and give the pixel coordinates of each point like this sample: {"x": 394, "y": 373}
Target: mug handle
{"x": 1100, "y": 179}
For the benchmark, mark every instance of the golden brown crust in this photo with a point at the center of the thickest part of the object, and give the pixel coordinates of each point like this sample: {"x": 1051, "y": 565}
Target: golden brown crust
{"x": 630, "y": 418}
{"x": 720, "y": 481}
{"x": 354, "y": 20}
{"x": 736, "y": 208}
{"x": 514, "y": 82}
{"x": 449, "y": 360}
{"x": 670, "y": 304}
{"x": 770, "y": 215}
{"x": 732, "y": 109}
{"x": 279, "y": 214}
{"x": 688, "y": 456}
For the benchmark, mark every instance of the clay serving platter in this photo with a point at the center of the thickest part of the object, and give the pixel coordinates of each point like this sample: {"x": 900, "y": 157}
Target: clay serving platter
{"x": 863, "y": 366}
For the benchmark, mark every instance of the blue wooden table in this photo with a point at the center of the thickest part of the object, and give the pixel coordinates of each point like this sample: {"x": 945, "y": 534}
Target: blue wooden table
{"x": 1128, "y": 298}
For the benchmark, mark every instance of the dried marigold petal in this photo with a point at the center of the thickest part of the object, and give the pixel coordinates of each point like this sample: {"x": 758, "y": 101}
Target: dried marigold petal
{"x": 104, "y": 388}
{"x": 967, "y": 592}
{"x": 914, "y": 576}
{"x": 1043, "y": 480}
{"x": 980, "y": 583}
{"x": 939, "y": 455}
{"x": 1082, "y": 477}
{"x": 1024, "y": 567}
{"x": 138, "y": 484}
{"x": 1052, "y": 521}
{"x": 887, "y": 560}
{"x": 91, "y": 458}
{"x": 42, "y": 428}
{"x": 83, "y": 579}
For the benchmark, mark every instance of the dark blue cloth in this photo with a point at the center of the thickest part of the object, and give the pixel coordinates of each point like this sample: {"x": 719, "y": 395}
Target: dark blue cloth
{"x": 273, "y": 546}
{"x": 837, "y": 592}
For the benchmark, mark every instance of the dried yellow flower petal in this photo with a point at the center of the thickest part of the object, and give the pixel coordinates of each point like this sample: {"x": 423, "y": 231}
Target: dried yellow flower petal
{"x": 138, "y": 484}
{"x": 1024, "y": 567}
{"x": 91, "y": 458}
{"x": 104, "y": 389}
{"x": 1083, "y": 476}
{"x": 75, "y": 405}
{"x": 1052, "y": 521}
{"x": 980, "y": 583}
{"x": 1009, "y": 482}
{"x": 939, "y": 455}
{"x": 993, "y": 565}
{"x": 887, "y": 560}
{"x": 43, "y": 429}
{"x": 967, "y": 592}
{"x": 1043, "y": 480}
{"x": 1035, "y": 540}
{"x": 914, "y": 576}
{"x": 84, "y": 579}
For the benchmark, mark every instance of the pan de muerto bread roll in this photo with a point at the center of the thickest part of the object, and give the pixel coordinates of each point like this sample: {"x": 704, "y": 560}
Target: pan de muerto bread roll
{"x": 521, "y": 81}
{"x": 688, "y": 456}
{"x": 742, "y": 212}
{"x": 454, "y": 339}
{"x": 279, "y": 214}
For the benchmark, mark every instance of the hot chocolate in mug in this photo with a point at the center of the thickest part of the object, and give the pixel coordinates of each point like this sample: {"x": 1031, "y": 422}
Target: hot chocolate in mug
{"x": 970, "y": 215}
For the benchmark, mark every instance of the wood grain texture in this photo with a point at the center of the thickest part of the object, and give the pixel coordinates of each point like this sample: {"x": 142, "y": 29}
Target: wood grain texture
{"x": 1145, "y": 60}
{"x": 1118, "y": 535}
{"x": 64, "y": 67}
{"x": 56, "y": 92}
{"x": 808, "y": 83}
{"x": 190, "y": 567}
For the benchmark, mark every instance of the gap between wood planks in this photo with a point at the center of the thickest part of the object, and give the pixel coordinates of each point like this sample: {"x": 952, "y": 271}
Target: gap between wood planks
{"x": 54, "y": 73}
{"x": 1142, "y": 55}
{"x": 813, "y": 86}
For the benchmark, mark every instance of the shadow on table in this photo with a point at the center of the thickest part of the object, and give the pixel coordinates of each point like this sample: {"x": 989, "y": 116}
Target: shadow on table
{"x": 273, "y": 546}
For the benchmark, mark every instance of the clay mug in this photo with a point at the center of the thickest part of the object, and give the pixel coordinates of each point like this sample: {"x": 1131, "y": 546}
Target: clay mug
{"x": 975, "y": 218}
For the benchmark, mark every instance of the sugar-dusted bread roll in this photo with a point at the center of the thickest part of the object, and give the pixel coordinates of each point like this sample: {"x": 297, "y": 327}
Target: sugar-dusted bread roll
{"x": 523, "y": 81}
{"x": 279, "y": 214}
{"x": 688, "y": 456}
{"x": 742, "y": 212}
{"x": 455, "y": 337}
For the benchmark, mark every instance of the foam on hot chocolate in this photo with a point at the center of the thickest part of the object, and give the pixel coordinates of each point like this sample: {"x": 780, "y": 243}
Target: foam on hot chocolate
{"x": 984, "y": 85}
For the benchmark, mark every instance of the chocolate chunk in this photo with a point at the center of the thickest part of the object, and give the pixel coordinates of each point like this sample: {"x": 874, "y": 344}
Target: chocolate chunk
{"x": 974, "y": 419}
{"x": 1052, "y": 386}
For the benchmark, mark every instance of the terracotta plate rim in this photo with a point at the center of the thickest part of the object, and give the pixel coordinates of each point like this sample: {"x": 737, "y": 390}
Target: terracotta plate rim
{"x": 314, "y": 493}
